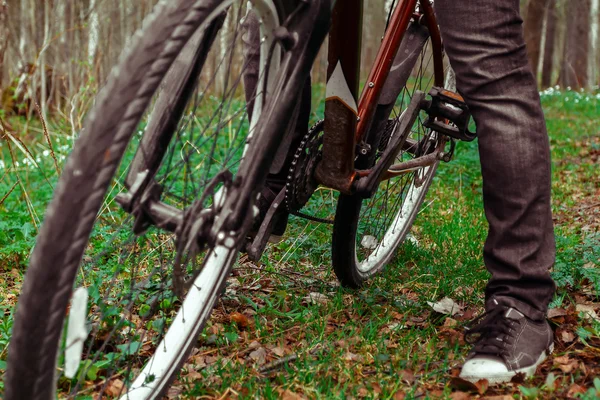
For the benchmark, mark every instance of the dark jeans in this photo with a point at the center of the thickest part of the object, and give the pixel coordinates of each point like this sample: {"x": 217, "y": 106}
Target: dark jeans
{"x": 485, "y": 45}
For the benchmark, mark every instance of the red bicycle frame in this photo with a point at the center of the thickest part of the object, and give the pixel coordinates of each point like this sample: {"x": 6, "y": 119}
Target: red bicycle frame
{"x": 346, "y": 123}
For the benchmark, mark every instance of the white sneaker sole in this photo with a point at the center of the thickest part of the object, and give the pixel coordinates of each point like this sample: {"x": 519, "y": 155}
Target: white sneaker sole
{"x": 506, "y": 377}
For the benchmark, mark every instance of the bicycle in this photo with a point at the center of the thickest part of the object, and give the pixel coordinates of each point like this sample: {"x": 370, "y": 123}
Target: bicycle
{"x": 151, "y": 297}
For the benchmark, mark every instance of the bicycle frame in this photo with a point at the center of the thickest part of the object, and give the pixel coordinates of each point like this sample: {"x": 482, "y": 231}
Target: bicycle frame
{"x": 345, "y": 123}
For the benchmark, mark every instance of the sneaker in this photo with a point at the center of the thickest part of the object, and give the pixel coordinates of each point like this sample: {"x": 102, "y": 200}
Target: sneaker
{"x": 506, "y": 343}
{"x": 267, "y": 197}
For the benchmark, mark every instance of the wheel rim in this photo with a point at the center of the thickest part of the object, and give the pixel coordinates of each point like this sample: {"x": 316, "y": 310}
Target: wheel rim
{"x": 385, "y": 219}
{"x": 129, "y": 280}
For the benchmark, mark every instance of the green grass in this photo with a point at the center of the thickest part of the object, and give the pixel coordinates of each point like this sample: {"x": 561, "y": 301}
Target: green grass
{"x": 383, "y": 341}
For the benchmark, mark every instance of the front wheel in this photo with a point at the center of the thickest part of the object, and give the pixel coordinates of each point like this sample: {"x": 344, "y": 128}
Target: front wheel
{"x": 104, "y": 312}
{"x": 367, "y": 232}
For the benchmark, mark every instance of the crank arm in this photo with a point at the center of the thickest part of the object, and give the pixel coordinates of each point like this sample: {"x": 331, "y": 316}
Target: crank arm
{"x": 367, "y": 186}
{"x": 257, "y": 247}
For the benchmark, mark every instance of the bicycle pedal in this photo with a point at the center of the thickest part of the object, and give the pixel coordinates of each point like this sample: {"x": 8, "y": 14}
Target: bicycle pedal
{"x": 448, "y": 114}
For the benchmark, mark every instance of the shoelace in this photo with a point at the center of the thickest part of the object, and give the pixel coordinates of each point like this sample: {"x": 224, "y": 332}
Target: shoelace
{"x": 491, "y": 332}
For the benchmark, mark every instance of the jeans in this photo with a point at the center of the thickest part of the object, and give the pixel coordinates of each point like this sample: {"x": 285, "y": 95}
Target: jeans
{"x": 484, "y": 42}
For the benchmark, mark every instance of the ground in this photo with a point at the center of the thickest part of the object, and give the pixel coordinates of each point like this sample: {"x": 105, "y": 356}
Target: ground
{"x": 286, "y": 329}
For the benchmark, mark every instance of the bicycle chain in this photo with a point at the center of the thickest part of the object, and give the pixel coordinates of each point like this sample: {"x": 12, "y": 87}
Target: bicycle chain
{"x": 301, "y": 184}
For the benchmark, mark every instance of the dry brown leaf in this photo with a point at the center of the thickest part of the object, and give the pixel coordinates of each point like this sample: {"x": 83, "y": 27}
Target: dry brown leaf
{"x": 450, "y": 322}
{"x": 446, "y": 306}
{"x": 460, "y": 396}
{"x": 376, "y": 388}
{"x": 556, "y": 312}
{"x": 498, "y": 397}
{"x": 353, "y": 357}
{"x": 566, "y": 364}
{"x": 396, "y": 315}
{"x": 259, "y": 355}
{"x": 240, "y": 319}
{"x": 115, "y": 388}
{"x": 399, "y": 395}
{"x": 289, "y": 395}
{"x": 482, "y": 385}
{"x": 211, "y": 359}
{"x": 588, "y": 311}
{"x": 316, "y": 298}
{"x": 254, "y": 345}
{"x": 463, "y": 385}
{"x": 407, "y": 376}
{"x": 278, "y": 351}
{"x": 216, "y": 329}
{"x": 574, "y": 390}
{"x": 567, "y": 336}
{"x": 194, "y": 376}
{"x": 198, "y": 362}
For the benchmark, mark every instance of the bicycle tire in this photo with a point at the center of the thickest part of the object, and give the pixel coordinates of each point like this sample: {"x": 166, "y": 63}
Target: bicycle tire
{"x": 40, "y": 319}
{"x": 360, "y": 247}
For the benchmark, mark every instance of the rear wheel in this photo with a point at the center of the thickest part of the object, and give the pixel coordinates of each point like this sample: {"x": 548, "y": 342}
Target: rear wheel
{"x": 367, "y": 231}
{"x": 138, "y": 302}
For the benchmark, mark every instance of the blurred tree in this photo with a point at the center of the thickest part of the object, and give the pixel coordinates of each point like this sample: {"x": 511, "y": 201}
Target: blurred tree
{"x": 574, "y": 69}
{"x": 534, "y": 23}
{"x": 549, "y": 44}
{"x": 4, "y": 35}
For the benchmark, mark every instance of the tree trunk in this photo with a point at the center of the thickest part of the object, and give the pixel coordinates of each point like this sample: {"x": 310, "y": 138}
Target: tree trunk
{"x": 4, "y": 37}
{"x": 534, "y": 24}
{"x": 575, "y": 63}
{"x": 549, "y": 44}
{"x": 594, "y": 58}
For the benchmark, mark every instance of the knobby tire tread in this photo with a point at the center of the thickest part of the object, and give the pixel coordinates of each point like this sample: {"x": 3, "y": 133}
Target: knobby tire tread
{"x": 343, "y": 248}
{"x": 81, "y": 189}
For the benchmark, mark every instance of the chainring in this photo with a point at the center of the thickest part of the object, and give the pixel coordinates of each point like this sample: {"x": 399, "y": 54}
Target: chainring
{"x": 301, "y": 183}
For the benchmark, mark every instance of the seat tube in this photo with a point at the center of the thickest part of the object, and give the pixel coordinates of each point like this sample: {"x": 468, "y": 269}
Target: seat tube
{"x": 336, "y": 169}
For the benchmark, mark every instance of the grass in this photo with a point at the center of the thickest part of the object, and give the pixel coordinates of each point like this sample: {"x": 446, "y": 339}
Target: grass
{"x": 383, "y": 341}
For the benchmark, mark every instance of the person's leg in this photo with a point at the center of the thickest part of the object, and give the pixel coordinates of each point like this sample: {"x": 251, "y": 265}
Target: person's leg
{"x": 485, "y": 45}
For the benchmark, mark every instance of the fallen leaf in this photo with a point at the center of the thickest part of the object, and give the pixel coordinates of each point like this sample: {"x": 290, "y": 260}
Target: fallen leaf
{"x": 518, "y": 378}
{"x": 353, "y": 357}
{"x": 450, "y": 322}
{"x": 399, "y": 395}
{"x": 363, "y": 392}
{"x": 198, "y": 362}
{"x": 278, "y": 351}
{"x": 566, "y": 364}
{"x": 407, "y": 376}
{"x": 463, "y": 385}
{"x": 588, "y": 311}
{"x": 316, "y": 298}
{"x": 240, "y": 319}
{"x": 376, "y": 388}
{"x": 410, "y": 238}
{"x": 114, "y": 388}
{"x": 289, "y": 395}
{"x": 259, "y": 355}
{"x": 369, "y": 242}
{"x": 446, "y": 306}
{"x": 567, "y": 336}
{"x": 254, "y": 345}
{"x": 556, "y": 312}
{"x": 482, "y": 385}
{"x": 194, "y": 376}
{"x": 460, "y": 396}
{"x": 499, "y": 397}
{"x": 574, "y": 390}
{"x": 211, "y": 359}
